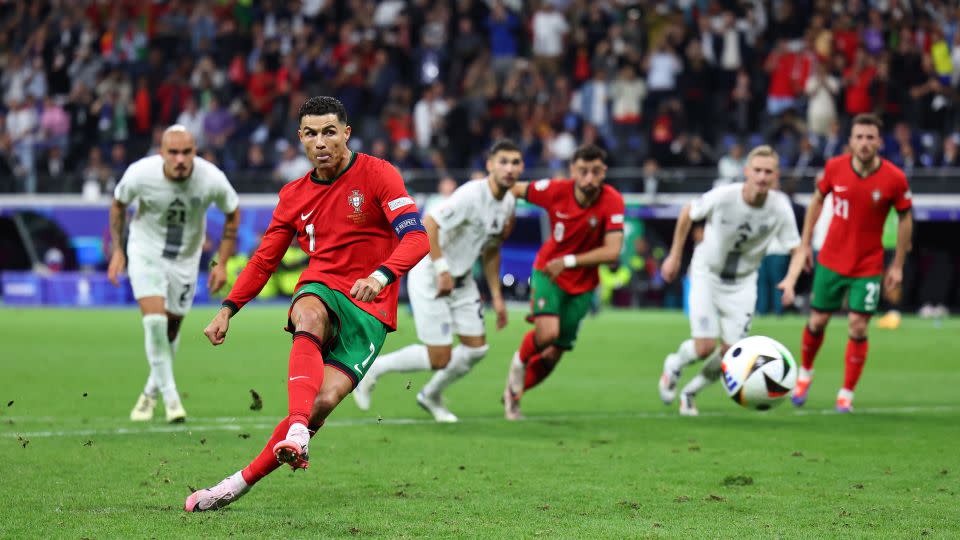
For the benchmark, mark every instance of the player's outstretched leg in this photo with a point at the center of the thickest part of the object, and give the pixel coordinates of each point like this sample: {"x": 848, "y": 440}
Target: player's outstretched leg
{"x": 514, "y": 388}
{"x": 812, "y": 340}
{"x": 462, "y": 360}
{"x": 673, "y": 365}
{"x": 143, "y": 409}
{"x": 709, "y": 374}
{"x": 856, "y": 357}
{"x": 304, "y": 382}
{"x": 410, "y": 358}
{"x": 239, "y": 483}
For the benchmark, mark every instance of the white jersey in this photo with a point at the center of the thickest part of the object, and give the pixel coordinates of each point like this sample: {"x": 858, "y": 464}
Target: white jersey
{"x": 468, "y": 220}
{"x": 171, "y": 218}
{"x": 736, "y": 235}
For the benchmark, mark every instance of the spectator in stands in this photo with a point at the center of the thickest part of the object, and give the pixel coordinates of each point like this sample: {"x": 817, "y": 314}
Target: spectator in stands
{"x": 663, "y": 67}
{"x": 730, "y": 166}
{"x": 428, "y": 115}
{"x": 788, "y": 67}
{"x": 549, "y": 29}
{"x": 54, "y": 125}
{"x": 98, "y": 178}
{"x": 22, "y": 126}
{"x": 292, "y": 165}
{"x": 951, "y": 154}
{"x": 821, "y": 89}
{"x": 192, "y": 118}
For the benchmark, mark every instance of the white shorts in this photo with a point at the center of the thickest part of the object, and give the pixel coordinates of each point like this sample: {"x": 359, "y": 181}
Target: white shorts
{"x": 175, "y": 281}
{"x": 719, "y": 309}
{"x": 439, "y": 319}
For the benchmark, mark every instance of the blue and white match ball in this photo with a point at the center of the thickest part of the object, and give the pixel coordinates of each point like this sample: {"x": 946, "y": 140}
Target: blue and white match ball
{"x": 758, "y": 372}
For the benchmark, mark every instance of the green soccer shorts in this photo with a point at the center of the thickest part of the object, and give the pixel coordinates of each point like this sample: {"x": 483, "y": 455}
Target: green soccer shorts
{"x": 830, "y": 288}
{"x": 357, "y": 336}
{"x": 547, "y": 298}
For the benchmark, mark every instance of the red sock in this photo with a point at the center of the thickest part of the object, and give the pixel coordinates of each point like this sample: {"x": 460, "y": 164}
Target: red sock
{"x": 811, "y": 345}
{"x": 265, "y": 462}
{"x": 528, "y": 347}
{"x": 537, "y": 370}
{"x": 855, "y": 359}
{"x": 305, "y": 376}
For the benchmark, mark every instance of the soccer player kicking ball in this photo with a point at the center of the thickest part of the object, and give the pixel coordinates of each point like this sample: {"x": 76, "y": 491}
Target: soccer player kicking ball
{"x": 445, "y": 300}
{"x": 172, "y": 191}
{"x": 864, "y": 187}
{"x": 586, "y": 220}
{"x": 351, "y": 213}
{"x": 742, "y": 219}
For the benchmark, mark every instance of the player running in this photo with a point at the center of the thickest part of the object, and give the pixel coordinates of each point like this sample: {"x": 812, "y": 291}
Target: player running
{"x": 864, "y": 187}
{"x": 361, "y": 229}
{"x": 742, "y": 220}
{"x": 586, "y": 221}
{"x": 172, "y": 192}
{"x": 472, "y": 222}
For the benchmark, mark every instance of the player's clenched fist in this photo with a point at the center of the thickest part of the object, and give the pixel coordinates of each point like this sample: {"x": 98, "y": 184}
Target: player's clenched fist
{"x": 366, "y": 289}
{"x": 216, "y": 331}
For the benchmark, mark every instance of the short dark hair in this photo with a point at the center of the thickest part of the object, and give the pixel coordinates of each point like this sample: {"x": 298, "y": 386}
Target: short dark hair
{"x": 868, "y": 119}
{"x": 503, "y": 145}
{"x": 590, "y": 152}
{"x": 321, "y": 105}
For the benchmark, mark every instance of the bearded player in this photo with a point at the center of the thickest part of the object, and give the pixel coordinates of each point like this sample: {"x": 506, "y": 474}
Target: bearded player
{"x": 864, "y": 187}
{"x": 353, "y": 216}
{"x": 586, "y": 223}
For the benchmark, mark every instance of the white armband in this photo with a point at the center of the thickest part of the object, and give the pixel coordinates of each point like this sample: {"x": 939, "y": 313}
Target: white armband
{"x": 440, "y": 266}
{"x": 569, "y": 261}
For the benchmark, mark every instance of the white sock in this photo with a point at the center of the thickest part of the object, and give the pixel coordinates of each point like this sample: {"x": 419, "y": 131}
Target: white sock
{"x": 462, "y": 360}
{"x": 805, "y": 374}
{"x": 159, "y": 356}
{"x": 696, "y": 384}
{"x": 686, "y": 355}
{"x": 410, "y": 358}
{"x": 845, "y": 394}
{"x": 152, "y": 388}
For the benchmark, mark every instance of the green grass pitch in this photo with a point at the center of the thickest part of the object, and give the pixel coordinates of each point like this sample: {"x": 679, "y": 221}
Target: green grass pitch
{"x": 598, "y": 456}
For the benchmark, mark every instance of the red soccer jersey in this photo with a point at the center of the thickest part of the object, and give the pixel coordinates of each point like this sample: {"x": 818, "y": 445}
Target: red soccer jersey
{"x": 860, "y": 206}
{"x": 574, "y": 229}
{"x": 349, "y": 227}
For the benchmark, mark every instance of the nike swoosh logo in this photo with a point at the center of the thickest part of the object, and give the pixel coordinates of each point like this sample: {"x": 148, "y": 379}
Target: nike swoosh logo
{"x": 840, "y": 189}
{"x": 303, "y": 217}
{"x": 299, "y": 377}
{"x": 561, "y": 215}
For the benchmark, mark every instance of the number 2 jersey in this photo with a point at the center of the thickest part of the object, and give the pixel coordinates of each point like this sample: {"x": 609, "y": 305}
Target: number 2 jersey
{"x": 171, "y": 217}
{"x": 853, "y": 246}
{"x": 737, "y": 234}
{"x": 362, "y": 220}
{"x": 575, "y": 229}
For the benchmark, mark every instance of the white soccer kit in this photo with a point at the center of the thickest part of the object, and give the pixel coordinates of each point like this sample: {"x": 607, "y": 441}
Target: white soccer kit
{"x": 169, "y": 227}
{"x": 469, "y": 219}
{"x": 723, "y": 272}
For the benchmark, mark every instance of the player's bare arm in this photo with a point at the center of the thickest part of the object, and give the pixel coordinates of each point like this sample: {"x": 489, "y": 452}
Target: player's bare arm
{"x": 440, "y": 265}
{"x": 809, "y": 220}
{"x": 788, "y": 285}
{"x": 894, "y": 276}
{"x": 228, "y": 243}
{"x": 491, "y": 270}
{"x": 519, "y": 190}
{"x": 608, "y": 253}
{"x": 118, "y": 261}
{"x": 671, "y": 265}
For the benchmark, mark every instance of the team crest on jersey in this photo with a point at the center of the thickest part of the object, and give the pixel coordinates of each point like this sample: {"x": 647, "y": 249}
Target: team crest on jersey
{"x": 593, "y": 222}
{"x": 876, "y": 195}
{"x": 356, "y": 200}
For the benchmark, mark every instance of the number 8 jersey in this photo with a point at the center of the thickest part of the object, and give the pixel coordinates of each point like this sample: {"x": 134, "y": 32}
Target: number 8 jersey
{"x": 171, "y": 216}
{"x": 853, "y": 246}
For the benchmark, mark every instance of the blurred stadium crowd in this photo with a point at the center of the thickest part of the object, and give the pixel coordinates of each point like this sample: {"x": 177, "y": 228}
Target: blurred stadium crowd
{"x": 87, "y": 86}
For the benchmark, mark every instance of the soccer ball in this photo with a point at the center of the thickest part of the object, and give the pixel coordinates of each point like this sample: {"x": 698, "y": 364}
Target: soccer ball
{"x": 758, "y": 372}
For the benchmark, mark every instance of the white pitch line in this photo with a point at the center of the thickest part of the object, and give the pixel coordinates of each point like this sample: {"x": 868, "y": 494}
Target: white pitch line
{"x": 240, "y": 424}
